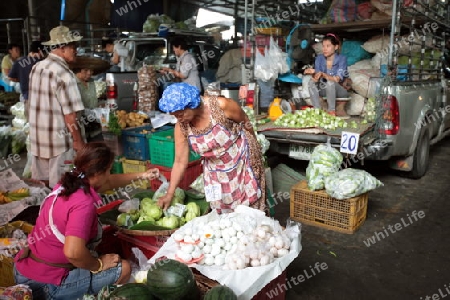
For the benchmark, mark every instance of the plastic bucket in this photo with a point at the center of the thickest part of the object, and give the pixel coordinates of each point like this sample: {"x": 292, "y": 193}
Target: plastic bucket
{"x": 163, "y": 30}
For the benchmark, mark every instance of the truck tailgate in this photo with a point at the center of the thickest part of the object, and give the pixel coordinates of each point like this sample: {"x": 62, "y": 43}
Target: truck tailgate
{"x": 299, "y": 142}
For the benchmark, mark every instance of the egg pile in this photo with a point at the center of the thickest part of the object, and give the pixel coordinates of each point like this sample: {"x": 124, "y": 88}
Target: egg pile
{"x": 232, "y": 243}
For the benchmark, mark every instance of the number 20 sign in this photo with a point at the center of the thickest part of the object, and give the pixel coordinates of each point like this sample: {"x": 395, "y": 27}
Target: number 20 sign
{"x": 349, "y": 142}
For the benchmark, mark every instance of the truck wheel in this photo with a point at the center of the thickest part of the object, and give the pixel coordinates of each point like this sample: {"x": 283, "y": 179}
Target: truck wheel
{"x": 421, "y": 155}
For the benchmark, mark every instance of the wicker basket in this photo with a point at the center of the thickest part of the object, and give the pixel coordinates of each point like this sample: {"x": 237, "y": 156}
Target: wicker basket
{"x": 6, "y": 263}
{"x": 319, "y": 209}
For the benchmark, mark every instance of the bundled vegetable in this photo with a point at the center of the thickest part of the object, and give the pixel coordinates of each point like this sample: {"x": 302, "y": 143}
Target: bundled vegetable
{"x": 350, "y": 183}
{"x": 312, "y": 117}
{"x": 325, "y": 160}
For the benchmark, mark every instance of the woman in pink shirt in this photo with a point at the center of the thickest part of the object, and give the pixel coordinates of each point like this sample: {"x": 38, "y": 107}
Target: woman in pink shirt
{"x": 59, "y": 261}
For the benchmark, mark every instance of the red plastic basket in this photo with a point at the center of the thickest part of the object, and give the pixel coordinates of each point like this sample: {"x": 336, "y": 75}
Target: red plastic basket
{"x": 193, "y": 170}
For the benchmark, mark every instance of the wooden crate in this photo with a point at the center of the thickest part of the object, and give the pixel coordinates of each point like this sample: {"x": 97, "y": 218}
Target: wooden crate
{"x": 319, "y": 209}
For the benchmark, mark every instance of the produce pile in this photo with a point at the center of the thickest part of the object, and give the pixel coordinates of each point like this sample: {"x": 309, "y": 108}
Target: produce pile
{"x": 8, "y": 99}
{"x": 16, "y": 195}
{"x": 314, "y": 117}
{"x": 147, "y": 215}
{"x": 131, "y": 119}
{"x": 167, "y": 279}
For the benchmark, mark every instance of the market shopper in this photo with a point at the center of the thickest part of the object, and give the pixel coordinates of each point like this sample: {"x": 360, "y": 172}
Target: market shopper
{"x": 59, "y": 261}
{"x": 219, "y": 130}
{"x": 329, "y": 74}
{"x": 86, "y": 85}
{"x": 54, "y": 103}
{"x": 21, "y": 69}
{"x": 10, "y": 58}
{"x": 186, "y": 69}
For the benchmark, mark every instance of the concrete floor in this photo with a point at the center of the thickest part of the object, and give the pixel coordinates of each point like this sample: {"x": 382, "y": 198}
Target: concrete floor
{"x": 411, "y": 263}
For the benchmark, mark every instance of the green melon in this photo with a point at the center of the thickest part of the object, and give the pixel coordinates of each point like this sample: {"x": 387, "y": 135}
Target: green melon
{"x": 171, "y": 280}
{"x": 220, "y": 292}
{"x": 132, "y": 291}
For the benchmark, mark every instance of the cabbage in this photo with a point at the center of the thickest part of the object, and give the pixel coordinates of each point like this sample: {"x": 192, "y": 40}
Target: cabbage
{"x": 193, "y": 207}
{"x": 182, "y": 221}
{"x": 124, "y": 219}
{"x": 151, "y": 210}
{"x": 190, "y": 215}
{"x": 145, "y": 218}
{"x": 178, "y": 197}
{"x": 171, "y": 222}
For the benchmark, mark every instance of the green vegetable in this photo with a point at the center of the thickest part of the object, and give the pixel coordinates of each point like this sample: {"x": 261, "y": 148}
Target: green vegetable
{"x": 220, "y": 292}
{"x": 135, "y": 291}
{"x": 171, "y": 222}
{"x": 124, "y": 219}
{"x": 151, "y": 210}
{"x": 113, "y": 124}
{"x": 145, "y": 218}
{"x": 169, "y": 279}
{"x": 190, "y": 215}
{"x": 178, "y": 197}
{"x": 194, "y": 208}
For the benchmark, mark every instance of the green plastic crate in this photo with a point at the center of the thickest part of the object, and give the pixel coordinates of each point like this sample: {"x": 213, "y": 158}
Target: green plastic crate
{"x": 162, "y": 149}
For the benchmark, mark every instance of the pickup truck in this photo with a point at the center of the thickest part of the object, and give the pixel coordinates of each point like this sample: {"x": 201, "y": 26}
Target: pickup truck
{"x": 412, "y": 110}
{"x": 151, "y": 49}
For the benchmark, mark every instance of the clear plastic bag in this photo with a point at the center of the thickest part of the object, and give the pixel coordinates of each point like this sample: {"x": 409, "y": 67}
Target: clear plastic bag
{"x": 350, "y": 183}
{"x": 129, "y": 206}
{"x": 325, "y": 161}
{"x": 198, "y": 184}
{"x": 263, "y": 67}
{"x": 278, "y": 58}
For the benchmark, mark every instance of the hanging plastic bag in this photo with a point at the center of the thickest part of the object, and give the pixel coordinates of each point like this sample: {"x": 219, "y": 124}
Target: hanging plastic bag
{"x": 278, "y": 58}
{"x": 263, "y": 67}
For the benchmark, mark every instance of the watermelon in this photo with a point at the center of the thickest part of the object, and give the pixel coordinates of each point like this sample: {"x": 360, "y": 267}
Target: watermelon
{"x": 220, "y": 292}
{"x": 132, "y": 291}
{"x": 169, "y": 279}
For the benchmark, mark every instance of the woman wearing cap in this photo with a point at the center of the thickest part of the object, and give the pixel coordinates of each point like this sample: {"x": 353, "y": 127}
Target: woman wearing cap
{"x": 219, "y": 130}
{"x": 330, "y": 71}
{"x": 59, "y": 261}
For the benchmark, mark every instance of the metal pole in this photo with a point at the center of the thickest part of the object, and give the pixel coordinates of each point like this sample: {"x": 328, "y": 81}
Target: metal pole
{"x": 8, "y": 32}
{"x": 394, "y": 23}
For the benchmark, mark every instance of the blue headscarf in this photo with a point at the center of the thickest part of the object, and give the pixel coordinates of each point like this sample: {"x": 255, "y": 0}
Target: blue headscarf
{"x": 179, "y": 96}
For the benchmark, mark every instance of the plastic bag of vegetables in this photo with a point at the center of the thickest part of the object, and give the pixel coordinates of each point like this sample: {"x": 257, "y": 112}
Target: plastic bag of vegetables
{"x": 198, "y": 184}
{"x": 19, "y": 138}
{"x": 350, "y": 183}
{"x": 325, "y": 160}
{"x": 178, "y": 197}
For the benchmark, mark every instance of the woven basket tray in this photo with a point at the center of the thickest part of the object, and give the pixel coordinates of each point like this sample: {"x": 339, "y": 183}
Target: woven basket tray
{"x": 147, "y": 232}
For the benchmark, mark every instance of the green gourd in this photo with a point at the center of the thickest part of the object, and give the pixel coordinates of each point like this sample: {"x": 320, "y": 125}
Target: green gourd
{"x": 169, "y": 279}
{"x": 220, "y": 292}
{"x": 132, "y": 291}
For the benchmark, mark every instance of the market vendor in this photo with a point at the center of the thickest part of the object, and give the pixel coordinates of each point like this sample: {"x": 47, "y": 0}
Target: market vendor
{"x": 219, "y": 130}
{"x": 59, "y": 261}
{"x": 329, "y": 76}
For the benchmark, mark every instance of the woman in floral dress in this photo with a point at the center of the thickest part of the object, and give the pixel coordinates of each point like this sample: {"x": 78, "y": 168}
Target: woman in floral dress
{"x": 219, "y": 130}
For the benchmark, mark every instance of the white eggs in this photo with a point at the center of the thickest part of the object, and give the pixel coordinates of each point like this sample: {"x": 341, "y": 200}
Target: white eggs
{"x": 237, "y": 227}
{"x": 188, "y": 239}
{"x": 239, "y": 234}
{"x": 209, "y": 260}
{"x": 255, "y": 263}
{"x": 219, "y": 260}
{"x": 215, "y": 249}
{"x": 220, "y": 242}
{"x": 187, "y": 248}
{"x": 279, "y": 243}
{"x": 188, "y": 231}
{"x": 195, "y": 237}
{"x": 231, "y": 231}
{"x": 228, "y": 246}
{"x": 233, "y": 240}
{"x": 273, "y": 250}
{"x": 217, "y": 233}
{"x": 178, "y": 237}
{"x": 272, "y": 241}
{"x": 209, "y": 241}
{"x": 207, "y": 249}
{"x": 201, "y": 244}
{"x": 264, "y": 260}
{"x": 196, "y": 254}
{"x": 282, "y": 252}
{"x": 184, "y": 256}
{"x": 261, "y": 233}
{"x": 225, "y": 223}
{"x": 240, "y": 264}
